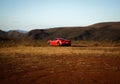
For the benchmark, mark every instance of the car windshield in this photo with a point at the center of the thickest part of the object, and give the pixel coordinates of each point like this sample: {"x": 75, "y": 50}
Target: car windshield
{"x": 62, "y": 38}
{"x": 58, "y": 38}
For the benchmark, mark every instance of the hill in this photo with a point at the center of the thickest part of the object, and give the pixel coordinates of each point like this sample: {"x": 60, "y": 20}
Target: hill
{"x": 106, "y": 31}
{"x": 3, "y": 35}
{"x": 100, "y": 32}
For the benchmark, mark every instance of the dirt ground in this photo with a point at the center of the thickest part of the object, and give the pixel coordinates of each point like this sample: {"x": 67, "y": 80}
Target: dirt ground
{"x": 72, "y": 68}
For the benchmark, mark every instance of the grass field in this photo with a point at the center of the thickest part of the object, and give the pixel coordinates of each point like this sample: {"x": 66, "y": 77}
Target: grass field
{"x": 60, "y": 65}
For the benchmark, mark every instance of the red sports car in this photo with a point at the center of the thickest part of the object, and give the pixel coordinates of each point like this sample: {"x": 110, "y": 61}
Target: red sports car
{"x": 59, "y": 42}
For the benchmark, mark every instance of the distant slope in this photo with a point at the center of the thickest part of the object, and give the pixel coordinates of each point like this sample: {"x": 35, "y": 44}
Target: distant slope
{"x": 37, "y": 34}
{"x": 106, "y": 24}
{"x": 3, "y": 35}
{"x": 107, "y": 31}
{"x": 14, "y": 34}
{"x": 100, "y": 31}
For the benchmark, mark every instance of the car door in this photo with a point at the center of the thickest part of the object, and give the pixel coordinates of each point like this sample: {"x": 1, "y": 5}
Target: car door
{"x": 54, "y": 41}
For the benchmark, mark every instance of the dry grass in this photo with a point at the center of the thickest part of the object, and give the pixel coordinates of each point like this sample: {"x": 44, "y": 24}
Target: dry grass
{"x": 60, "y": 50}
{"x": 60, "y": 65}
{"x": 43, "y": 43}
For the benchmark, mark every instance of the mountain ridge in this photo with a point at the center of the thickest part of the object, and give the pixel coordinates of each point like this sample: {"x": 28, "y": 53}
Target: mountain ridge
{"x": 105, "y": 31}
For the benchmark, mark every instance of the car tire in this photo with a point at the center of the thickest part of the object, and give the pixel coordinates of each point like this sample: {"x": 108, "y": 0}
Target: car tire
{"x": 58, "y": 44}
{"x": 69, "y": 45}
{"x": 49, "y": 44}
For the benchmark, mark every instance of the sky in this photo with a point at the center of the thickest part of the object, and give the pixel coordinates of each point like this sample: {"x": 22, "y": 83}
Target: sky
{"x": 41, "y": 14}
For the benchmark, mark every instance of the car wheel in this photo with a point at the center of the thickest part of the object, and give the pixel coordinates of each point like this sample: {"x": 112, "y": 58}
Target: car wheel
{"x": 69, "y": 45}
{"x": 49, "y": 43}
{"x": 58, "y": 44}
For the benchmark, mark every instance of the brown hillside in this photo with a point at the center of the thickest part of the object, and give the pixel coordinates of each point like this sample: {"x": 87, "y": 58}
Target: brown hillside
{"x": 107, "y": 31}
{"x": 106, "y": 24}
